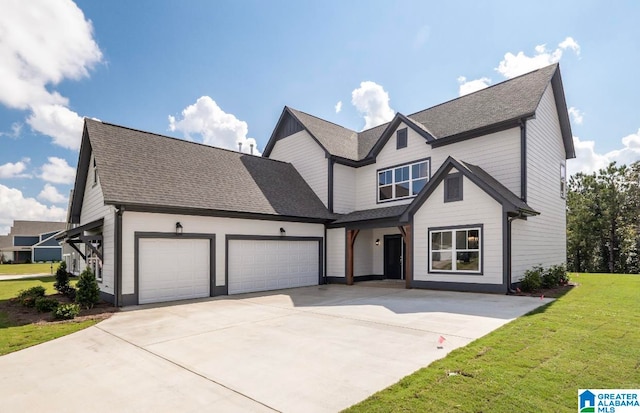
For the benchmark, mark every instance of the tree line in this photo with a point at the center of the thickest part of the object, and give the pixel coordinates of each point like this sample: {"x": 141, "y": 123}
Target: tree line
{"x": 603, "y": 224}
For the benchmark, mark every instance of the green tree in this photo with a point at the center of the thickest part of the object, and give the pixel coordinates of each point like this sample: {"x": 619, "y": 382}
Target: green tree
{"x": 88, "y": 293}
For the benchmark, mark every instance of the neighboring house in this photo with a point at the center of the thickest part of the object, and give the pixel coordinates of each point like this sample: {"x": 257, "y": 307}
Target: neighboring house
{"x": 464, "y": 196}
{"x": 32, "y": 241}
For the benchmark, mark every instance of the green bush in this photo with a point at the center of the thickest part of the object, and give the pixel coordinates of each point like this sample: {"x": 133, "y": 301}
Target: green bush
{"x": 66, "y": 311}
{"x": 28, "y": 297}
{"x": 71, "y": 293}
{"x": 88, "y": 293}
{"x": 46, "y": 305}
{"x": 62, "y": 279}
{"x": 532, "y": 279}
{"x": 554, "y": 276}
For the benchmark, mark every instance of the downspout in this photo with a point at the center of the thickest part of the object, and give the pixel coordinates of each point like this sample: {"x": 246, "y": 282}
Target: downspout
{"x": 118, "y": 256}
{"x": 324, "y": 276}
{"x": 509, "y": 266}
{"x": 330, "y": 184}
{"x": 523, "y": 160}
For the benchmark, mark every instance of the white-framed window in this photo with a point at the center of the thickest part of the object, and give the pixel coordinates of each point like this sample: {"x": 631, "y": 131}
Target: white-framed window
{"x": 403, "y": 181}
{"x": 563, "y": 181}
{"x": 457, "y": 249}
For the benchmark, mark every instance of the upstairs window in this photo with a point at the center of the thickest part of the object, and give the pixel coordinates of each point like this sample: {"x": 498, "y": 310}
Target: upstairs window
{"x": 401, "y": 138}
{"x": 563, "y": 181}
{"x": 453, "y": 187}
{"x": 402, "y": 181}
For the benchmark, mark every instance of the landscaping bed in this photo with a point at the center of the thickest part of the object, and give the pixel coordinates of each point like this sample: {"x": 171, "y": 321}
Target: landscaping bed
{"x": 18, "y": 315}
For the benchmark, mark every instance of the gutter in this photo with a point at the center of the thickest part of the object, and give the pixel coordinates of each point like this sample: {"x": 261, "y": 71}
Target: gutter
{"x": 118, "y": 256}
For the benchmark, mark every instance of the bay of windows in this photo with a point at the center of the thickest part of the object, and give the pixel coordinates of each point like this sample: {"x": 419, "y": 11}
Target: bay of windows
{"x": 402, "y": 181}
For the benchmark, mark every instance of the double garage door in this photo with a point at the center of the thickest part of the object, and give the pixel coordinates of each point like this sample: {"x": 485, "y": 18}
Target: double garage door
{"x": 172, "y": 269}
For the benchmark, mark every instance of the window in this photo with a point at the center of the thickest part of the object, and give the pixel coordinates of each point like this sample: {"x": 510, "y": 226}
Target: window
{"x": 95, "y": 172}
{"x": 563, "y": 181}
{"x": 402, "y": 181}
{"x": 455, "y": 250}
{"x": 401, "y": 138}
{"x": 453, "y": 187}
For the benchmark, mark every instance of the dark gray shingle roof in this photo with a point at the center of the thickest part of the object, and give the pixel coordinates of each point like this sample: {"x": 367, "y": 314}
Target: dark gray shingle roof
{"x": 141, "y": 168}
{"x": 372, "y": 214}
{"x": 36, "y": 227}
{"x": 512, "y": 99}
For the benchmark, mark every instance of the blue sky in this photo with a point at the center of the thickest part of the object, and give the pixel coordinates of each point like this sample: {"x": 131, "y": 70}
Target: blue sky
{"x": 220, "y": 72}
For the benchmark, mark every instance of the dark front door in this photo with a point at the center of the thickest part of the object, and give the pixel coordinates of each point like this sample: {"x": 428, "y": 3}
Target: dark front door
{"x": 393, "y": 253}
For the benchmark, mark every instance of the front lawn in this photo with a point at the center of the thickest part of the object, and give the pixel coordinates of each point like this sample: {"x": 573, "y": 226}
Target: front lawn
{"x": 18, "y": 332}
{"x": 24, "y": 269}
{"x": 588, "y": 338}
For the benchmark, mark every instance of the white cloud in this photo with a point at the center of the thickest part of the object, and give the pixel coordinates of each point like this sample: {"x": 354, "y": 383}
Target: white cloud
{"x": 14, "y": 170}
{"x": 588, "y": 160}
{"x": 43, "y": 43}
{"x": 50, "y": 194}
{"x": 471, "y": 86}
{"x": 214, "y": 126}
{"x": 576, "y": 115}
{"x": 518, "y": 64}
{"x": 338, "y": 106}
{"x": 373, "y": 102}
{"x": 13, "y": 205}
{"x": 58, "y": 171}
{"x": 62, "y": 124}
{"x": 16, "y": 128}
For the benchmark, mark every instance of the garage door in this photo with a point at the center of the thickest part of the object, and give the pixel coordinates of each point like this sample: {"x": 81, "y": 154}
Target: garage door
{"x": 259, "y": 265}
{"x": 173, "y": 269}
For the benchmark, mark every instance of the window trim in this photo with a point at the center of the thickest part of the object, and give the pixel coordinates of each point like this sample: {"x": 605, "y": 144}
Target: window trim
{"x": 404, "y": 142}
{"x": 447, "y": 180}
{"x": 563, "y": 181}
{"x": 453, "y": 228}
{"x": 392, "y": 169}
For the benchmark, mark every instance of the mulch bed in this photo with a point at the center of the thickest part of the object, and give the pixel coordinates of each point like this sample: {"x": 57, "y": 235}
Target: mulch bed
{"x": 556, "y": 292}
{"x": 21, "y": 315}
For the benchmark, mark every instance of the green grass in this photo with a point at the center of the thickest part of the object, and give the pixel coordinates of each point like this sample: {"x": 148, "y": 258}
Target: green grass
{"x": 25, "y": 269}
{"x": 588, "y": 338}
{"x": 16, "y": 337}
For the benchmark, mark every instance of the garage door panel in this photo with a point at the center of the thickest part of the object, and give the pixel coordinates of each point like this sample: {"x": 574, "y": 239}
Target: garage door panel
{"x": 173, "y": 269}
{"x": 261, "y": 265}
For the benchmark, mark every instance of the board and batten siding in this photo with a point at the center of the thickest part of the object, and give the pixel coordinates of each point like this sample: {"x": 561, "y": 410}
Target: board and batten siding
{"x": 156, "y": 222}
{"x": 309, "y": 159}
{"x": 344, "y": 189}
{"x": 497, "y": 153}
{"x": 336, "y": 244}
{"x": 542, "y": 239}
{"x": 389, "y": 156}
{"x": 93, "y": 208}
{"x": 476, "y": 208}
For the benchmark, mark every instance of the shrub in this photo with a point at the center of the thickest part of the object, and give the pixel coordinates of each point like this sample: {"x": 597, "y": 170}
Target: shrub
{"x": 28, "y": 297}
{"x": 66, "y": 311}
{"x": 554, "y": 276}
{"x": 62, "y": 278}
{"x": 532, "y": 279}
{"x": 71, "y": 293}
{"x": 46, "y": 305}
{"x": 88, "y": 293}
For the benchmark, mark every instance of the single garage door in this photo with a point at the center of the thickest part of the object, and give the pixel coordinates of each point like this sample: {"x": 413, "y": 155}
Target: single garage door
{"x": 261, "y": 265}
{"x": 173, "y": 269}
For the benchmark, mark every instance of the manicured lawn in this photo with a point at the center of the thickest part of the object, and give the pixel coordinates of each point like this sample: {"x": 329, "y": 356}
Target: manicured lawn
{"x": 588, "y": 338}
{"x": 16, "y": 337}
{"x": 23, "y": 269}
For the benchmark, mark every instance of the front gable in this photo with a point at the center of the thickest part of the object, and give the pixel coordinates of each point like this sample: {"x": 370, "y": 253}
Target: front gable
{"x": 287, "y": 125}
{"x": 82, "y": 171}
{"x": 399, "y": 122}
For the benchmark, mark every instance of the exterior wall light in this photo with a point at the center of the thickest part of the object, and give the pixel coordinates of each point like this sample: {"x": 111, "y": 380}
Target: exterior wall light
{"x": 378, "y": 242}
{"x": 282, "y": 232}
{"x": 178, "y": 228}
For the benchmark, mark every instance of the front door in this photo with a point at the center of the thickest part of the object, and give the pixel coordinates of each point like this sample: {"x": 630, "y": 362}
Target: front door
{"x": 393, "y": 255}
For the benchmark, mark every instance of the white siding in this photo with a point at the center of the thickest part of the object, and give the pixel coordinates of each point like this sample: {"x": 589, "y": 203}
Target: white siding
{"x": 363, "y": 253}
{"x": 93, "y": 208}
{"x": 542, "y": 239}
{"x": 308, "y": 158}
{"x": 476, "y": 208}
{"x": 150, "y": 222}
{"x": 497, "y": 153}
{"x": 336, "y": 243}
{"x": 344, "y": 189}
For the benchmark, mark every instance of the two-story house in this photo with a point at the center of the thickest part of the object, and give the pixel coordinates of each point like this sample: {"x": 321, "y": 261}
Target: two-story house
{"x": 465, "y": 196}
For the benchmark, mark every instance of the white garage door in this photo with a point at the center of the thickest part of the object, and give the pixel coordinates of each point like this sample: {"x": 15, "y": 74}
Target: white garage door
{"x": 259, "y": 265}
{"x": 173, "y": 269}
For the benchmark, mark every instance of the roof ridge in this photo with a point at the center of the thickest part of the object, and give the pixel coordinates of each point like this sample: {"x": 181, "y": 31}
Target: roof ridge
{"x": 484, "y": 89}
{"x": 185, "y": 141}
{"x": 324, "y": 120}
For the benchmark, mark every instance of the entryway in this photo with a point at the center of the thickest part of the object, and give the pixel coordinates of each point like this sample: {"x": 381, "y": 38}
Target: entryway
{"x": 394, "y": 252}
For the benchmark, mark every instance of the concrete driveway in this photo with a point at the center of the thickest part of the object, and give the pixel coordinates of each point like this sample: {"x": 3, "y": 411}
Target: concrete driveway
{"x": 314, "y": 349}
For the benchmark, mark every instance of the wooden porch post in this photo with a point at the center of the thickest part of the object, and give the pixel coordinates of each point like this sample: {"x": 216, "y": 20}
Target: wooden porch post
{"x": 408, "y": 254}
{"x": 351, "y": 240}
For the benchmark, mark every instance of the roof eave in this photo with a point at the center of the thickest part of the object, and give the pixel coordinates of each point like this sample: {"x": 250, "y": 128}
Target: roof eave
{"x": 563, "y": 114}
{"x": 485, "y": 130}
